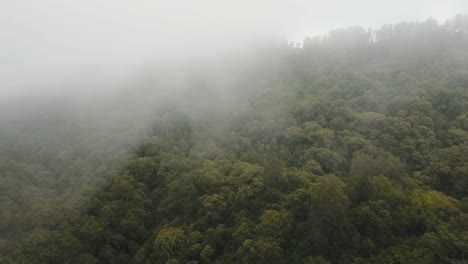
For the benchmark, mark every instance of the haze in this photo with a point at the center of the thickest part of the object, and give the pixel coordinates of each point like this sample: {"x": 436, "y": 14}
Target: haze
{"x": 46, "y": 44}
{"x": 247, "y": 131}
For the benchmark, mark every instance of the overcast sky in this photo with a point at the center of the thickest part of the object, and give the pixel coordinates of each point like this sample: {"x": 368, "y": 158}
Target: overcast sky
{"x": 45, "y": 41}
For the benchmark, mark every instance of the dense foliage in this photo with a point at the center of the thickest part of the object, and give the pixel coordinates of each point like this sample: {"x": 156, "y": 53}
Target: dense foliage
{"x": 349, "y": 149}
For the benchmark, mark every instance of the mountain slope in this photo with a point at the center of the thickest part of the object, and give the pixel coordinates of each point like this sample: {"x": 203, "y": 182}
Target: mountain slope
{"x": 351, "y": 149}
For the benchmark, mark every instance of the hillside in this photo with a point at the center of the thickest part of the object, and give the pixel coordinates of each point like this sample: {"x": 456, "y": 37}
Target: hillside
{"x": 352, "y": 148}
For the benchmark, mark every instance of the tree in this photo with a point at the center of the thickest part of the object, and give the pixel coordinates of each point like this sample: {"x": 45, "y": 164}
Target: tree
{"x": 169, "y": 240}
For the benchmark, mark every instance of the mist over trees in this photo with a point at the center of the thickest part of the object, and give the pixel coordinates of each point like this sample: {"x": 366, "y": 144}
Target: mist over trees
{"x": 349, "y": 148}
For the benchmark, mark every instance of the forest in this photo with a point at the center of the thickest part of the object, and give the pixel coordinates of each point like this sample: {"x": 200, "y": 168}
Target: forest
{"x": 351, "y": 147}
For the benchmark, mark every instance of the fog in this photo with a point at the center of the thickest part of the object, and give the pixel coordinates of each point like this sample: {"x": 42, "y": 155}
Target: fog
{"x": 50, "y": 45}
{"x": 302, "y": 130}
{"x": 114, "y": 63}
{"x": 107, "y": 67}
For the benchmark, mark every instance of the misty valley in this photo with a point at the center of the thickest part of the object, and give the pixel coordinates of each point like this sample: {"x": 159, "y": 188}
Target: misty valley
{"x": 350, "y": 147}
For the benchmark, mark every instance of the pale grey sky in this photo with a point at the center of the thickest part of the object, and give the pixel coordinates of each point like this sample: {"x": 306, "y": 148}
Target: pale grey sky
{"x": 45, "y": 41}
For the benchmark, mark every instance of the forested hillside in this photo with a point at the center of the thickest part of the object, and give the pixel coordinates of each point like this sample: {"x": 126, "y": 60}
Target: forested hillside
{"x": 352, "y": 148}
